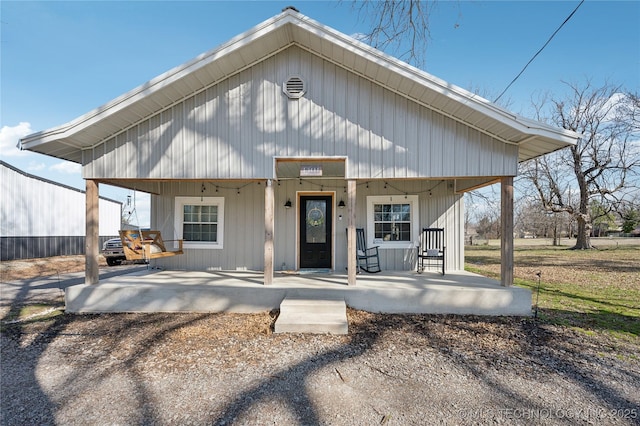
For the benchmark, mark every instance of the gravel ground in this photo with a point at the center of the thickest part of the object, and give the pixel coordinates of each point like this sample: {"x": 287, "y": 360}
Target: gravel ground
{"x": 201, "y": 369}
{"x": 390, "y": 369}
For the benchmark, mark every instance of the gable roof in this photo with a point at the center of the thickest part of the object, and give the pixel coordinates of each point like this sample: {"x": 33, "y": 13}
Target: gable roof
{"x": 270, "y": 37}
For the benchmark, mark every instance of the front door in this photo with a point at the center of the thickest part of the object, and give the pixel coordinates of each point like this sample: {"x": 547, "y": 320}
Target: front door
{"x": 315, "y": 231}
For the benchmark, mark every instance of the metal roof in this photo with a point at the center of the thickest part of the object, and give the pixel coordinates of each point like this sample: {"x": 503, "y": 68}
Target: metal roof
{"x": 51, "y": 182}
{"x": 270, "y": 37}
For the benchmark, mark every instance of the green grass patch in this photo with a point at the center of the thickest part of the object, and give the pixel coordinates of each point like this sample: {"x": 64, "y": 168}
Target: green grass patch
{"x": 588, "y": 308}
{"x": 589, "y": 290}
{"x": 29, "y": 314}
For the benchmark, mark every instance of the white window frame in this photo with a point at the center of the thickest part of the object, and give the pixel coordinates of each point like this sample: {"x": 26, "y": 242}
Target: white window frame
{"x": 180, "y": 202}
{"x": 412, "y": 200}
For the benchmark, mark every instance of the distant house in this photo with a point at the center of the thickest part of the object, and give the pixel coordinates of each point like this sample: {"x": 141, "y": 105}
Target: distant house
{"x": 268, "y": 152}
{"x": 42, "y": 218}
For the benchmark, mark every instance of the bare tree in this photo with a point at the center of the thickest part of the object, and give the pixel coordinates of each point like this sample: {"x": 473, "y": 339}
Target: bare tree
{"x": 602, "y": 166}
{"x": 400, "y": 26}
{"x": 630, "y": 111}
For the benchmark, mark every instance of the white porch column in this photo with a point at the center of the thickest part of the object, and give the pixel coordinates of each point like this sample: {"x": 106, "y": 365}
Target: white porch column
{"x": 268, "y": 232}
{"x": 351, "y": 232}
{"x": 506, "y": 244}
{"x": 92, "y": 237}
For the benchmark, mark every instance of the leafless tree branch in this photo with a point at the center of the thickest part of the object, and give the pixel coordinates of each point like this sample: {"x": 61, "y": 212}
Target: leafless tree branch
{"x": 603, "y": 163}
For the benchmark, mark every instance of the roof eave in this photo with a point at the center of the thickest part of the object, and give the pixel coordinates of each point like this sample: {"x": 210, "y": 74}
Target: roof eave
{"x": 525, "y": 126}
{"x": 435, "y": 87}
{"x": 30, "y": 142}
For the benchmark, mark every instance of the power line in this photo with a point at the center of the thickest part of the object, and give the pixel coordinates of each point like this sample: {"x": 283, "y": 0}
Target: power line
{"x": 539, "y": 51}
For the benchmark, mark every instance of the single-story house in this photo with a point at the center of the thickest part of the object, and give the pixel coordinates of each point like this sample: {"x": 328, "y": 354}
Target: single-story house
{"x": 267, "y": 152}
{"x": 43, "y": 218}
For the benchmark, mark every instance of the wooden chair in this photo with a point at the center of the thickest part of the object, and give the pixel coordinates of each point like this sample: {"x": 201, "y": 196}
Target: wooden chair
{"x": 431, "y": 248}
{"x": 367, "y": 257}
{"x": 146, "y": 245}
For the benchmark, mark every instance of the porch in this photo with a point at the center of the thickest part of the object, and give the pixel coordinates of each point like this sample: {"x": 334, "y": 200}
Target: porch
{"x": 457, "y": 292}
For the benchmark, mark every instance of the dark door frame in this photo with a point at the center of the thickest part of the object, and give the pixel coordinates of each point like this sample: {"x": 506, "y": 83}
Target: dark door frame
{"x": 299, "y": 224}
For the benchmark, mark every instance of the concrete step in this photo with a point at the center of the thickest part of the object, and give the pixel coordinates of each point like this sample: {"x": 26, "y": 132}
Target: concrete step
{"x": 312, "y": 316}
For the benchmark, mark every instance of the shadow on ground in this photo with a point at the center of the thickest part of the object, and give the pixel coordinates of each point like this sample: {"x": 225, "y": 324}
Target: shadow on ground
{"x": 466, "y": 343}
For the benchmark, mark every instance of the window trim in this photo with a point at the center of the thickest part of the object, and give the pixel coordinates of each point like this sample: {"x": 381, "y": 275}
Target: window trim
{"x": 412, "y": 200}
{"x": 180, "y": 202}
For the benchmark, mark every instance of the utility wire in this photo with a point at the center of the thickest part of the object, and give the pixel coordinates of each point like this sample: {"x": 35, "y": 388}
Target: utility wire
{"x": 539, "y": 51}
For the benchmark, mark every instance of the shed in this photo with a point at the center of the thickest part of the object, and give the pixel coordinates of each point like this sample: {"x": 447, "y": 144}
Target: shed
{"x": 43, "y": 218}
{"x": 262, "y": 152}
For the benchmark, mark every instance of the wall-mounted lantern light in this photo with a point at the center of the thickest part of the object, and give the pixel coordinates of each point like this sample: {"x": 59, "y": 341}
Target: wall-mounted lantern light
{"x": 341, "y": 204}
{"x": 287, "y": 205}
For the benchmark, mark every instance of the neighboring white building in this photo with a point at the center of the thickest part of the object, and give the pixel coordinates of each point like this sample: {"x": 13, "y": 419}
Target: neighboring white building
{"x": 42, "y": 218}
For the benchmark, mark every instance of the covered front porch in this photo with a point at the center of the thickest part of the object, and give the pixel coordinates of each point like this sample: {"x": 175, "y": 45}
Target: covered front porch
{"x": 458, "y": 292}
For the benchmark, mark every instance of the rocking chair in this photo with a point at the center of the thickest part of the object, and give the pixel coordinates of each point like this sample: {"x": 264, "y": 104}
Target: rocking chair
{"x": 431, "y": 248}
{"x": 367, "y": 257}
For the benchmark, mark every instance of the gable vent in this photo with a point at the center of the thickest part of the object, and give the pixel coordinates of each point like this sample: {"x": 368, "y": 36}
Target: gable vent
{"x": 294, "y": 87}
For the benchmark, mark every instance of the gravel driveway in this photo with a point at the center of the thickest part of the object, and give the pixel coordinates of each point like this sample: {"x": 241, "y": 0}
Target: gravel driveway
{"x": 177, "y": 369}
{"x": 202, "y": 369}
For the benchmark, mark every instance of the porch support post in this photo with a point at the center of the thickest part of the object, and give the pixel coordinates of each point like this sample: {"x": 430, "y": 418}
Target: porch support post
{"x": 506, "y": 246}
{"x": 268, "y": 232}
{"x": 92, "y": 236}
{"x": 351, "y": 232}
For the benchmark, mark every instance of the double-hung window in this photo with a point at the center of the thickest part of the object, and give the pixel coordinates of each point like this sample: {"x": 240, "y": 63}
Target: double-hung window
{"x": 199, "y": 221}
{"x": 392, "y": 221}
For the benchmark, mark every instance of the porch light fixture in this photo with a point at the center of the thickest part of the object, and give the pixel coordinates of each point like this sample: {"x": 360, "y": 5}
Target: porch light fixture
{"x": 287, "y": 205}
{"x": 341, "y": 204}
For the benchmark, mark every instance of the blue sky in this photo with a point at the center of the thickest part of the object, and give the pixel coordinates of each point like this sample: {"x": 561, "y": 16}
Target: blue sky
{"x": 63, "y": 59}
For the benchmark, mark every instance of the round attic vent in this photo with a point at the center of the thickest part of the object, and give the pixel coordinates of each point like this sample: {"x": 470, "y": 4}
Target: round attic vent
{"x": 294, "y": 87}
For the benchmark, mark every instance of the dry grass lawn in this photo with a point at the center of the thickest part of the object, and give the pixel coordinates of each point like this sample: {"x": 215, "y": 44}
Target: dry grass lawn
{"x": 590, "y": 289}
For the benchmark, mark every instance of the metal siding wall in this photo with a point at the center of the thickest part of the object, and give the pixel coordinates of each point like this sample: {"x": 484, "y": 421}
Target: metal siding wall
{"x": 243, "y": 226}
{"x": 285, "y": 223}
{"x": 244, "y": 223}
{"x": 442, "y": 209}
{"x": 233, "y": 130}
{"x": 35, "y": 208}
{"x": 13, "y": 248}
{"x": 320, "y": 144}
{"x": 110, "y": 217}
{"x": 413, "y": 120}
{"x": 373, "y": 158}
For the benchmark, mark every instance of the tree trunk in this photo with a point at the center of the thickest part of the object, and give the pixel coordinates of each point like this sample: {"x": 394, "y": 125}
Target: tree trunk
{"x": 583, "y": 241}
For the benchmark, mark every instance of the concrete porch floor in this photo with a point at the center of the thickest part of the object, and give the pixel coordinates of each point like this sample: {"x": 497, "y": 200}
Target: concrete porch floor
{"x": 457, "y": 292}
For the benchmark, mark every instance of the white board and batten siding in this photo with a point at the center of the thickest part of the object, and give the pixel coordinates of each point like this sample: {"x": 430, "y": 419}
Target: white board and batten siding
{"x": 42, "y": 218}
{"x": 243, "y": 243}
{"x": 234, "y": 129}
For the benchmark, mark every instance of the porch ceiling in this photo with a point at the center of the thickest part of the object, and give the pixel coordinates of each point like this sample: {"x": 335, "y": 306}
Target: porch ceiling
{"x": 268, "y": 38}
